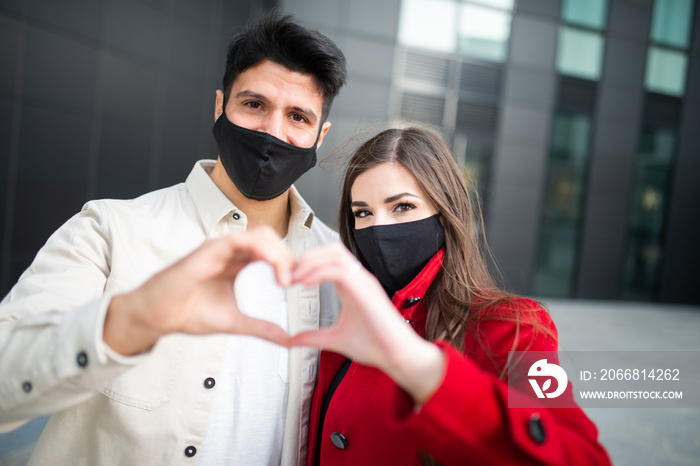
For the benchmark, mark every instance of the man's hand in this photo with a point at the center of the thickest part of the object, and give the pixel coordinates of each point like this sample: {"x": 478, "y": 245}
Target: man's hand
{"x": 196, "y": 295}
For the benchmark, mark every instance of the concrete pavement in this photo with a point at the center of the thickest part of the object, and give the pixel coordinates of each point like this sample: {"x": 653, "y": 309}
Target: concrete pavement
{"x": 633, "y": 436}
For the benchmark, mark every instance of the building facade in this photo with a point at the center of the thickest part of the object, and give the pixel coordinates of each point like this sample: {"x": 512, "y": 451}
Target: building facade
{"x": 577, "y": 121}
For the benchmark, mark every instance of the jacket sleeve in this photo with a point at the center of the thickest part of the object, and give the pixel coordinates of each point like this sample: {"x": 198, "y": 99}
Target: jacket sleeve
{"x": 51, "y": 351}
{"x": 468, "y": 417}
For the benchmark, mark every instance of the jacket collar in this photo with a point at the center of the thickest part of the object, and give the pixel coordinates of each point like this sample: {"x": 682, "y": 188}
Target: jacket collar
{"x": 301, "y": 212}
{"x": 409, "y": 300}
{"x": 213, "y": 205}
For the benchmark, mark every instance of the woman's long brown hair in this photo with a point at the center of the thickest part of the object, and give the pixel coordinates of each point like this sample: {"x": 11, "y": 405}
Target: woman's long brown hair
{"x": 464, "y": 285}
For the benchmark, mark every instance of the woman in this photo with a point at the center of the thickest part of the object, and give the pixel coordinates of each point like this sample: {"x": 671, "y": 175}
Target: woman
{"x": 426, "y": 384}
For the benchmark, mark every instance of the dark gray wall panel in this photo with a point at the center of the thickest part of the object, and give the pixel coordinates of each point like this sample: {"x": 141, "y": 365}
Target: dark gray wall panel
{"x": 618, "y": 102}
{"x": 616, "y": 137}
{"x": 629, "y": 19}
{"x": 76, "y": 17}
{"x": 512, "y": 231}
{"x": 624, "y": 62}
{"x": 515, "y": 199}
{"x": 60, "y": 71}
{"x": 614, "y": 148}
{"x": 549, "y": 8}
{"x": 533, "y": 43}
{"x": 10, "y": 39}
{"x": 51, "y": 175}
{"x": 374, "y": 18}
{"x": 520, "y": 163}
{"x": 102, "y": 98}
{"x": 530, "y": 87}
{"x": 603, "y": 249}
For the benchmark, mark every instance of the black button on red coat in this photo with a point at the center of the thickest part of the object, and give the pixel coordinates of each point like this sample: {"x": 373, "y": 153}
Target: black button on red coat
{"x": 412, "y": 301}
{"x": 339, "y": 440}
{"x": 536, "y": 429}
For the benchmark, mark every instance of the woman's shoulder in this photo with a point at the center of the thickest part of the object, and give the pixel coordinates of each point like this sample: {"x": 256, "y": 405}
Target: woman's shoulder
{"x": 518, "y": 308}
{"x": 515, "y": 322}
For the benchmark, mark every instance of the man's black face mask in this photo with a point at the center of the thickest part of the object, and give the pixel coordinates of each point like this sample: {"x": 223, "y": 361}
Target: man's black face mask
{"x": 261, "y": 166}
{"x": 396, "y": 253}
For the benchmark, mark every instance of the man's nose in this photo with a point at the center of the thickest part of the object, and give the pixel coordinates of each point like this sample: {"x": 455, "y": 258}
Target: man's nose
{"x": 272, "y": 125}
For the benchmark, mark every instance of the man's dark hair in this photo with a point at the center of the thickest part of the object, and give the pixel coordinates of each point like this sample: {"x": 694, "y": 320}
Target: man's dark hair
{"x": 281, "y": 40}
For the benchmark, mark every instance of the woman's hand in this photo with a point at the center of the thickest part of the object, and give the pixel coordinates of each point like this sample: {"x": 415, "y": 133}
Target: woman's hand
{"x": 196, "y": 295}
{"x": 370, "y": 330}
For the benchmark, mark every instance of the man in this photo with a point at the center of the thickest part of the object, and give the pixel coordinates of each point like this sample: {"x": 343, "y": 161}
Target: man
{"x": 99, "y": 330}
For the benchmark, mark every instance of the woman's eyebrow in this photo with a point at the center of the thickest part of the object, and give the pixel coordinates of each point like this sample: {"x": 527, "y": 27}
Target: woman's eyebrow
{"x": 358, "y": 204}
{"x": 397, "y": 197}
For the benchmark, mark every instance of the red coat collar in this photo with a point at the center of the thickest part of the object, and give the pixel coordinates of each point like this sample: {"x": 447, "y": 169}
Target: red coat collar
{"x": 410, "y": 300}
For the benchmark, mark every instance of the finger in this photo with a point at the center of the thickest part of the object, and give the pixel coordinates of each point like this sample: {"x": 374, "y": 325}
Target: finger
{"x": 330, "y": 273}
{"x": 322, "y": 338}
{"x": 266, "y": 330}
{"x": 329, "y": 257}
{"x": 346, "y": 276}
{"x": 272, "y": 250}
{"x": 264, "y": 244}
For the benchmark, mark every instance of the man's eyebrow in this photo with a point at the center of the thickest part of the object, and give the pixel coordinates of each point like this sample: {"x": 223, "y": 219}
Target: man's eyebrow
{"x": 254, "y": 95}
{"x": 397, "y": 197}
{"x": 251, "y": 94}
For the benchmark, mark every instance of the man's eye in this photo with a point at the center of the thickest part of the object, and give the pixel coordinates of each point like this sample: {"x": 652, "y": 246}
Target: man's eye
{"x": 253, "y": 104}
{"x": 299, "y": 118}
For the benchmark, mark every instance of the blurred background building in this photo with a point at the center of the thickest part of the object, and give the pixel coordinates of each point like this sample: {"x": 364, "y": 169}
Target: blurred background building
{"x": 577, "y": 119}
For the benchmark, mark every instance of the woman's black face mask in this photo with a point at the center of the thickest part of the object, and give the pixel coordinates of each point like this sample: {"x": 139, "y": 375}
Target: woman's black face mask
{"x": 396, "y": 253}
{"x": 261, "y": 166}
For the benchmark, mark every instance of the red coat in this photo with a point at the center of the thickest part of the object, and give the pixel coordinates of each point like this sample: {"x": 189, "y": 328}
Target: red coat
{"x": 466, "y": 421}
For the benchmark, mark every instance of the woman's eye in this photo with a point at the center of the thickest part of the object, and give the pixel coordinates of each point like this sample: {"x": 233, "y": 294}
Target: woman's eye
{"x": 404, "y": 207}
{"x": 361, "y": 213}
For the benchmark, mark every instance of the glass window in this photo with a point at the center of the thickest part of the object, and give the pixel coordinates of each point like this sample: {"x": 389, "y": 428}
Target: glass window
{"x": 557, "y": 260}
{"x": 666, "y": 71}
{"x": 645, "y": 239}
{"x": 484, "y": 33}
{"x": 589, "y": 13}
{"x": 425, "y": 108}
{"x": 428, "y": 24}
{"x": 579, "y": 53}
{"x": 426, "y": 68}
{"x": 671, "y": 22}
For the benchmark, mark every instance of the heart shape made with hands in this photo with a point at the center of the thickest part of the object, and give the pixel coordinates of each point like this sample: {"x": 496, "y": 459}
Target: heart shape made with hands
{"x": 369, "y": 329}
{"x": 198, "y": 295}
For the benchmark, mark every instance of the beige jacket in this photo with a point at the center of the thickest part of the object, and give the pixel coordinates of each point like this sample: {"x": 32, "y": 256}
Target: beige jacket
{"x": 150, "y": 408}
